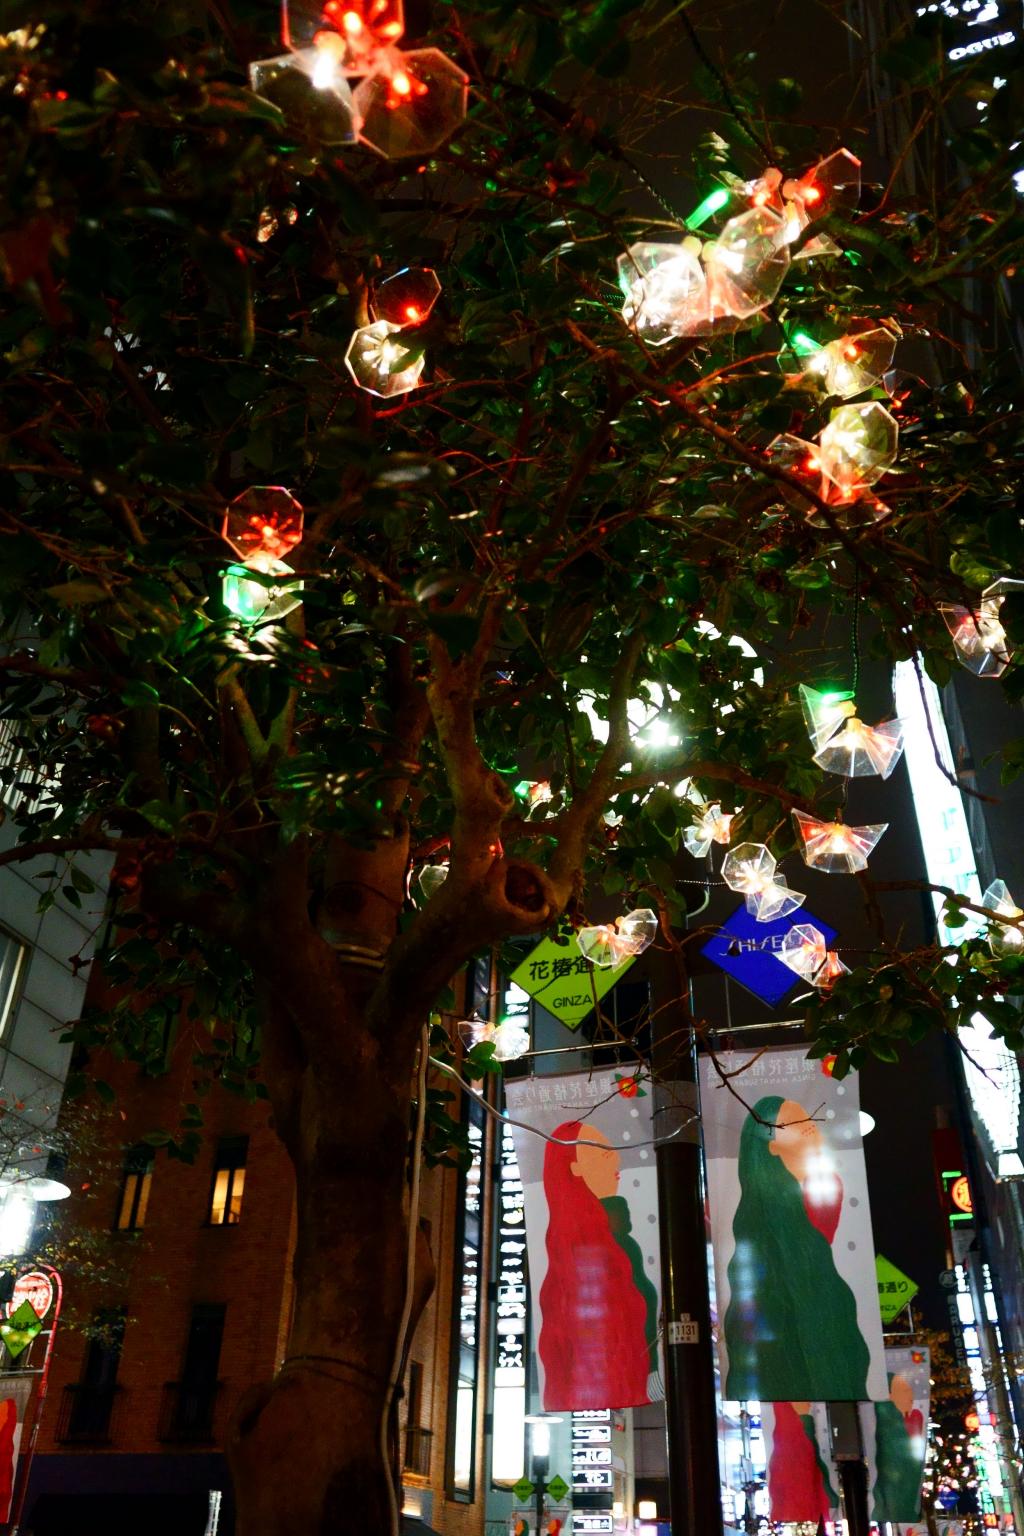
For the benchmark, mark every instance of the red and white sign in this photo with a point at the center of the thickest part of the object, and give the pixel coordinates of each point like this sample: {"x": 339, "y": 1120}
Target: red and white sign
{"x": 35, "y": 1288}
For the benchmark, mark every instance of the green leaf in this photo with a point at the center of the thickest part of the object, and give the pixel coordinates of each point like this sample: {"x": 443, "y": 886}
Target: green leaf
{"x": 136, "y": 694}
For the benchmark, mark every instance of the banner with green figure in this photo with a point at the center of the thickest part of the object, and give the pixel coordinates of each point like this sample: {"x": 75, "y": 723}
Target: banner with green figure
{"x": 895, "y": 1433}
{"x": 796, "y": 1293}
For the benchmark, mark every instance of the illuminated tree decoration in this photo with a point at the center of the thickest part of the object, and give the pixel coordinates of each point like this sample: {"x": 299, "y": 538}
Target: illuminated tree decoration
{"x": 637, "y": 930}
{"x": 856, "y": 448}
{"x": 834, "y": 847}
{"x": 1003, "y": 939}
{"x": 375, "y": 359}
{"x": 664, "y": 289}
{"x": 751, "y": 869}
{"x": 745, "y": 266}
{"x": 831, "y": 186}
{"x": 713, "y": 825}
{"x": 408, "y": 297}
{"x": 311, "y": 90}
{"x": 824, "y": 713}
{"x": 511, "y": 1040}
{"x": 264, "y": 522}
{"x": 979, "y": 637}
{"x": 410, "y": 103}
{"x": 602, "y": 945}
{"x": 851, "y": 364}
{"x": 365, "y": 27}
{"x": 431, "y": 878}
{"x": 804, "y": 950}
{"x": 857, "y": 751}
{"x": 474, "y": 1030}
{"x": 263, "y": 591}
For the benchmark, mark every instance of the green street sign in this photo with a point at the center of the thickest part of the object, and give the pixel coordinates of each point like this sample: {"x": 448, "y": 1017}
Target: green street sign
{"x": 558, "y": 977}
{"x": 523, "y": 1490}
{"x": 895, "y": 1289}
{"x": 558, "y": 1488}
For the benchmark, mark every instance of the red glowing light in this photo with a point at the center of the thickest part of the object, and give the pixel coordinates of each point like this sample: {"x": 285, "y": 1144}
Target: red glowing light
{"x": 412, "y": 313}
{"x": 352, "y": 22}
{"x": 851, "y": 351}
{"x": 761, "y": 198}
{"x": 401, "y": 84}
{"x": 811, "y": 194}
{"x": 811, "y": 462}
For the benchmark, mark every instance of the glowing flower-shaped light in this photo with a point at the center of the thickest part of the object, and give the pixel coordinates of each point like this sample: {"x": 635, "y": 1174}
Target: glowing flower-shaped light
{"x": 804, "y": 950}
{"x": 407, "y": 297}
{"x": 410, "y": 103}
{"x": 856, "y": 448}
{"x": 851, "y": 364}
{"x": 511, "y": 1040}
{"x": 745, "y": 265}
{"x": 310, "y": 88}
{"x": 834, "y": 847}
{"x": 979, "y": 637}
{"x": 364, "y": 27}
{"x": 857, "y": 750}
{"x": 637, "y": 930}
{"x": 776, "y": 899}
{"x": 749, "y": 868}
{"x": 264, "y": 521}
{"x": 474, "y": 1030}
{"x": 431, "y": 878}
{"x": 376, "y": 359}
{"x": 1002, "y": 938}
{"x": 603, "y": 945}
{"x": 824, "y": 713}
{"x": 261, "y": 601}
{"x": 831, "y": 186}
{"x": 711, "y": 826}
{"x": 663, "y": 288}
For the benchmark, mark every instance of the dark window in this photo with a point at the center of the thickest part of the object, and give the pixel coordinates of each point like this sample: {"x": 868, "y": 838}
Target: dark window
{"x": 188, "y": 1406}
{"x": 88, "y": 1405}
{"x": 228, "y": 1182}
{"x": 138, "y": 1179}
{"x": 417, "y": 1438}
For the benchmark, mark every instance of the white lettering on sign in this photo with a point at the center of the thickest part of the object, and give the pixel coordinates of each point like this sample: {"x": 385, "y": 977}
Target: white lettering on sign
{"x": 592, "y": 1522}
{"x": 967, "y": 50}
{"x": 35, "y": 1288}
{"x": 591, "y": 1452}
{"x": 684, "y": 1331}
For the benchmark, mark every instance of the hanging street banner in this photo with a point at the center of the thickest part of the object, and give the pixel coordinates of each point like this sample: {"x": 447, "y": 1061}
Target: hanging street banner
{"x": 791, "y": 1231}
{"x": 592, "y": 1237}
{"x": 895, "y": 1289}
{"x": 563, "y": 981}
{"x": 895, "y": 1437}
{"x": 15, "y": 1392}
{"x": 802, "y": 1482}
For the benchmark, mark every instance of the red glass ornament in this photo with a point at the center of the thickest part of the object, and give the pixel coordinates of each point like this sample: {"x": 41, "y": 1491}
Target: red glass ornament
{"x": 264, "y": 523}
{"x": 408, "y": 297}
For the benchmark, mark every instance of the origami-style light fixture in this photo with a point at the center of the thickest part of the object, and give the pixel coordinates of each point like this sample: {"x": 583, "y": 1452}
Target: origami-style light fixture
{"x": 609, "y": 944}
{"x": 851, "y": 364}
{"x": 407, "y": 297}
{"x": 831, "y": 186}
{"x": 410, "y": 102}
{"x": 375, "y": 360}
{"x": 262, "y": 591}
{"x": 637, "y": 930}
{"x": 1003, "y": 938}
{"x": 511, "y": 1040}
{"x": 431, "y": 878}
{"x": 857, "y": 750}
{"x": 310, "y": 87}
{"x": 824, "y": 713}
{"x": 663, "y": 287}
{"x": 751, "y": 869}
{"x": 856, "y": 448}
{"x": 264, "y": 522}
{"x": 834, "y": 847}
{"x": 979, "y": 637}
{"x": 746, "y": 265}
{"x": 804, "y": 950}
{"x": 711, "y": 826}
{"x": 474, "y": 1030}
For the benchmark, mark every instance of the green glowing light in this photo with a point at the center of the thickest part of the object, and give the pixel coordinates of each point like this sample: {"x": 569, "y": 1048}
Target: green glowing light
{"x": 803, "y": 344}
{"x": 714, "y": 201}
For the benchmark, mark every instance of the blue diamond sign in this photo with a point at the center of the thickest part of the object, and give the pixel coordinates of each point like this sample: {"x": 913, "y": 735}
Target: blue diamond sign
{"x": 747, "y": 951}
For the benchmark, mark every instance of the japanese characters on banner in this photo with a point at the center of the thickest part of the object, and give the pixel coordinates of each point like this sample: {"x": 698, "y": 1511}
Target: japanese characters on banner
{"x": 592, "y": 1237}
{"x": 791, "y": 1231}
{"x": 895, "y": 1437}
{"x": 802, "y": 1482}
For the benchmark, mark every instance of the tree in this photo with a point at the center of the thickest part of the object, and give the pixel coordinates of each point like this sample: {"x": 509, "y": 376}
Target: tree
{"x": 561, "y": 519}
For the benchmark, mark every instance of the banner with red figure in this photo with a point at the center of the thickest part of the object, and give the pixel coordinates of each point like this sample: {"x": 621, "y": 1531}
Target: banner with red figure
{"x": 796, "y": 1291}
{"x": 591, "y": 1199}
{"x": 15, "y": 1391}
{"x": 802, "y": 1482}
{"x": 895, "y": 1436}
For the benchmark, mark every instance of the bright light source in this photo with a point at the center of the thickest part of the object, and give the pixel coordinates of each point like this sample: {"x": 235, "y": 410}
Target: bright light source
{"x": 17, "y": 1218}
{"x": 647, "y": 1509}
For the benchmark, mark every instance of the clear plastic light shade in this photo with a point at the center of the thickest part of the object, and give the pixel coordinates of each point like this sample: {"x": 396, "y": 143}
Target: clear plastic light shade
{"x": 474, "y": 1030}
{"x": 746, "y": 264}
{"x": 663, "y": 288}
{"x": 804, "y": 950}
{"x": 431, "y": 878}
{"x": 637, "y": 930}
{"x": 411, "y": 103}
{"x": 979, "y": 637}
{"x": 407, "y": 297}
{"x": 363, "y": 27}
{"x": 834, "y": 847}
{"x": 1002, "y": 939}
{"x": 511, "y": 1040}
{"x": 831, "y": 971}
{"x": 254, "y": 596}
{"x": 852, "y": 364}
{"x": 263, "y": 522}
{"x": 857, "y": 750}
{"x": 774, "y": 900}
{"x": 857, "y": 447}
{"x": 711, "y": 826}
{"x": 831, "y": 186}
{"x": 376, "y": 360}
{"x": 824, "y": 712}
{"x": 602, "y": 945}
{"x": 749, "y": 867}
{"x": 311, "y": 90}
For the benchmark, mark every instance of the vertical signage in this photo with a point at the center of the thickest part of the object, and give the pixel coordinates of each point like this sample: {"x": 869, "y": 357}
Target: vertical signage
{"x": 592, "y": 1452}
{"x": 509, "y": 1400}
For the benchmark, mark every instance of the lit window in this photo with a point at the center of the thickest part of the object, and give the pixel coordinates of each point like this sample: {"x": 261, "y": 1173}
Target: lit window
{"x": 228, "y": 1182}
{"x": 138, "y": 1179}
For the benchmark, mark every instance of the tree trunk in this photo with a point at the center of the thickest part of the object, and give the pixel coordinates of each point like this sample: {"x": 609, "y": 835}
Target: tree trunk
{"x": 306, "y": 1450}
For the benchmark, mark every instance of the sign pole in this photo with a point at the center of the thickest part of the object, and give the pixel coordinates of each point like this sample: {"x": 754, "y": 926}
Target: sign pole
{"x": 692, "y": 1414}
{"x": 37, "y": 1416}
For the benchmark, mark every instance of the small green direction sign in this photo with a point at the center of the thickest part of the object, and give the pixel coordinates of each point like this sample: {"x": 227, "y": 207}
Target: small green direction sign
{"x": 523, "y": 1489}
{"x": 895, "y": 1289}
{"x": 558, "y": 977}
{"x": 558, "y": 1488}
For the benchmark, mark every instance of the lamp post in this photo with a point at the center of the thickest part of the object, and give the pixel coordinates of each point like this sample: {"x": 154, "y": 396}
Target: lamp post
{"x": 540, "y": 1457}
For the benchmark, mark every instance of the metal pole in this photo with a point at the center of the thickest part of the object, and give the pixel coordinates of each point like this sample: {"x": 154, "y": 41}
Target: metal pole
{"x": 691, "y": 1409}
{"x": 853, "y": 1481}
{"x": 541, "y": 1465}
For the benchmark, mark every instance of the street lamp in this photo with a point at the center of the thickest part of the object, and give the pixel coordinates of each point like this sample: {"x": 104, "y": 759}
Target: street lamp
{"x": 540, "y": 1456}
{"x": 647, "y": 1509}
